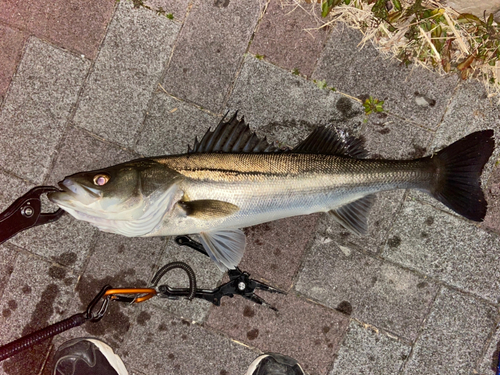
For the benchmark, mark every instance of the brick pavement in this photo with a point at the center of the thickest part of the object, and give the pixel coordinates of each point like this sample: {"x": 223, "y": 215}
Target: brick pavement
{"x": 87, "y": 84}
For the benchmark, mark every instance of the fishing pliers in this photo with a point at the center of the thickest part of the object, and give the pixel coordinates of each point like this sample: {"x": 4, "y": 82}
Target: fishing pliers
{"x": 26, "y": 212}
{"x": 239, "y": 283}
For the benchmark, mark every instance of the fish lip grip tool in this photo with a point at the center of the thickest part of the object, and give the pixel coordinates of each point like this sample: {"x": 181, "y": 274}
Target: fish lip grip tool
{"x": 26, "y": 212}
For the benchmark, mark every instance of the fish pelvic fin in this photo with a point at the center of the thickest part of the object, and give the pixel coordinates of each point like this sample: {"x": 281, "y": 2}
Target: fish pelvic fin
{"x": 459, "y": 167}
{"x": 353, "y": 216}
{"x": 225, "y": 247}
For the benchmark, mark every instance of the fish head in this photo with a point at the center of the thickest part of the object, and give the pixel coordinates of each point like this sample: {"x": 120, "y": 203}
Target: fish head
{"x": 105, "y": 192}
{"x": 123, "y": 193}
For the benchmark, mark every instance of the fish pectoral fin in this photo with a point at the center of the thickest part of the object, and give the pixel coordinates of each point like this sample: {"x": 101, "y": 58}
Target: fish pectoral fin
{"x": 353, "y": 216}
{"x": 225, "y": 247}
{"x": 207, "y": 209}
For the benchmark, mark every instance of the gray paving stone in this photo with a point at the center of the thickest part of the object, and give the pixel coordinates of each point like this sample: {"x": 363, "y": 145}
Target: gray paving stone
{"x": 208, "y": 276}
{"x": 389, "y": 137}
{"x": 297, "y": 42}
{"x": 130, "y": 63}
{"x": 66, "y": 241}
{"x": 489, "y": 364}
{"x": 453, "y": 337}
{"x": 178, "y": 8}
{"x": 275, "y": 250}
{"x": 36, "y": 295}
{"x": 445, "y": 247}
{"x": 8, "y": 257}
{"x": 364, "y": 72}
{"x": 303, "y": 330}
{"x": 492, "y": 191}
{"x": 287, "y": 107}
{"x": 81, "y": 151}
{"x": 36, "y": 110}
{"x": 209, "y": 50}
{"x": 373, "y": 291}
{"x": 366, "y": 351}
{"x": 171, "y": 125}
{"x": 121, "y": 262}
{"x": 164, "y": 344}
{"x": 12, "y": 188}
{"x": 469, "y": 110}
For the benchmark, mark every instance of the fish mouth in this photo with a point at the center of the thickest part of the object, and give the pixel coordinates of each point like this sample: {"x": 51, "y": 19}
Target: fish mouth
{"x": 73, "y": 192}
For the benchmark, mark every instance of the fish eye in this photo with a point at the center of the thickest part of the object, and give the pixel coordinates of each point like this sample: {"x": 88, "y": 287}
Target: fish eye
{"x": 101, "y": 179}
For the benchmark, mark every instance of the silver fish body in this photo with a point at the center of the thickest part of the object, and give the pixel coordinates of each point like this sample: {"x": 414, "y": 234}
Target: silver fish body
{"x": 267, "y": 187}
{"x": 233, "y": 180}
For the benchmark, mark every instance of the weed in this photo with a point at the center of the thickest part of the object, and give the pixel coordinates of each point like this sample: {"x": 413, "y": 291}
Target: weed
{"x": 373, "y": 105}
{"x": 424, "y": 32}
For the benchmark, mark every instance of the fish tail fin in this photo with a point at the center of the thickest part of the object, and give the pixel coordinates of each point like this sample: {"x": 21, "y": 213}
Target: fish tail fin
{"x": 459, "y": 167}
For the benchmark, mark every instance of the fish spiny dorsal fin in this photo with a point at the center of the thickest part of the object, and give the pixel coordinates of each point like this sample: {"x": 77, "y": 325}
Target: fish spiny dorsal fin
{"x": 331, "y": 141}
{"x": 232, "y": 136}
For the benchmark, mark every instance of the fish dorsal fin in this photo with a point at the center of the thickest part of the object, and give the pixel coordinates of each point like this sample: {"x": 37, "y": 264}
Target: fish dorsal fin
{"x": 332, "y": 141}
{"x": 225, "y": 247}
{"x": 232, "y": 136}
{"x": 353, "y": 216}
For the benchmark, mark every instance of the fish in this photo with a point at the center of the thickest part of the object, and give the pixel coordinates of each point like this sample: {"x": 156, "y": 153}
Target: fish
{"x": 232, "y": 179}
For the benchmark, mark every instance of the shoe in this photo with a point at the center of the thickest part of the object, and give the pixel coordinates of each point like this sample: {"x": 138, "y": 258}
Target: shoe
{"x": 275, "y": 364}
{"x": 87, "y": 356}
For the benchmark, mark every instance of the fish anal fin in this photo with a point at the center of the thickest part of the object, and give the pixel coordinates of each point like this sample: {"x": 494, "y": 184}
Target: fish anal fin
{"x": 206, "y": 209}
{"x": 332, "y": 141}
{"x": 225, "y": 247}
{"x": 353, "y": 216}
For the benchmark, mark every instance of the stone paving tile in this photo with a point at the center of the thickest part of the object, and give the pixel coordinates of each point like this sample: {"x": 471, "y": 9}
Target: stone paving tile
{"x": 286, "y": 107}
{"x": 164, "y": 344}
{"x": 178, "y": 8}
{"x": 66, "y": 241}
{"x": 171, "y": 125}
{"x": 80, "y": 151}
{"x": 489, "y": 363}
{"x": 308, "y": 332}
{"x": 469, "y": 111}
{"x": 445, "y": 247}
{"x": 121, "y": 262}
{"x": 492, "y": 191}
{"x": 11, "y": 46}
{"x": 453, "y": 336}
{"x": 366, "y": 351}
{"x": 41, "y": 291}
{"x": 7, "y": 260}
{"x": 364, "y": 72}
{"x": 282, "y": 39}
{"x": 73, "y": 24}
{"x": 209, "y": 50}
{"x": 12, "y": 188}
{"x": 390, "y": 137}
{"x": 207, "y": 274}
{"x": 275, "y": 250}
{"x": 35, "y": 113}
{"x": 373, "y": 291}
{"x": 120, "y": 86}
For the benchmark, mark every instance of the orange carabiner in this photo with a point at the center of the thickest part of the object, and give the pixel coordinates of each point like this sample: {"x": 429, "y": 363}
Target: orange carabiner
{"x": 148, "y": 293}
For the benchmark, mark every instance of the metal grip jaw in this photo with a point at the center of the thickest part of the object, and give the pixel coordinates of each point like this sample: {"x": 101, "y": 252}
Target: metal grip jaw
{"x": 26, "y": 212}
